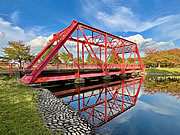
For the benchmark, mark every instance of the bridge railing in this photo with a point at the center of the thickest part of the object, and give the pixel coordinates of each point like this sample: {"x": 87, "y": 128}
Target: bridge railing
{"x": 13, "y": 67}
{"x": 73, "y": 66}
{"x": 9, "y": 67}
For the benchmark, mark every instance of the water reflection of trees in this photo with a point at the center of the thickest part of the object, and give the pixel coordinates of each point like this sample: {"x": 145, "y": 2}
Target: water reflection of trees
{"x": 170, "y": 87}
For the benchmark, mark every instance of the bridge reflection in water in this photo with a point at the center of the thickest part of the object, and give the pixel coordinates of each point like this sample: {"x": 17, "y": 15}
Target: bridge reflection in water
{"x": 101, "y": 103}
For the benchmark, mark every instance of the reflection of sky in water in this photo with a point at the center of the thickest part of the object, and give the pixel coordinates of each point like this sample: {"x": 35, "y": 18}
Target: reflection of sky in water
{"x": 157, "y": 114}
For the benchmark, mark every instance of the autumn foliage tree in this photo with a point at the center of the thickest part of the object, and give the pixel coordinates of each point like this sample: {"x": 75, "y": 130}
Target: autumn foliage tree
{"x": 17, "y": 52}
{"x": 163, "y": 58}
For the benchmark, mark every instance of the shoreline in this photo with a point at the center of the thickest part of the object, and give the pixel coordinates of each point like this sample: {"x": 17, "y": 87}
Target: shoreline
{"x": 160, "y": 74}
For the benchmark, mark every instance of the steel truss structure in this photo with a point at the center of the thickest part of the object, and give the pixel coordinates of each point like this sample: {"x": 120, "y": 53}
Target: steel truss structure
{"x": 98, "y": 44}
{"x": 106, "y": 101}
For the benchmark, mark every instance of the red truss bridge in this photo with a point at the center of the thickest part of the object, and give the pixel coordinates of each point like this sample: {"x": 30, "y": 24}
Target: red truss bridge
{"x": 87, "y": 41}
{"x": 101, "y": 103}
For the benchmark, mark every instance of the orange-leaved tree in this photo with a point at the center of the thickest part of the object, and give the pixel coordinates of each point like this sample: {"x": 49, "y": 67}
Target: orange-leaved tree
{"x": 165, "y": 58}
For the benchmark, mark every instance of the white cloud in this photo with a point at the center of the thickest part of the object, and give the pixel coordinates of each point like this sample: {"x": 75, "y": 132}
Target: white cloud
{"x": 2, "y": 14}
{"x": 149, "y": 43}
{"x": 123, "y": 19}
{"x": 146, "y": 107}
{"x": 143, "y": 107}
{"x": 117, "y": 18}
{"x": 11, "y": 32}
{"x": 124, "y": 119}
{"x": 15, "y": 33}
{"x": 15, "y": 17}
{"x": 169, "y": 30}
{"x": 38, "y": 43}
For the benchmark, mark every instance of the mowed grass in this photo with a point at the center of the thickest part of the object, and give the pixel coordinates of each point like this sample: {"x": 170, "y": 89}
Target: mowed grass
{"x": 163, "y": 70}
{"x": 18, "y": 112}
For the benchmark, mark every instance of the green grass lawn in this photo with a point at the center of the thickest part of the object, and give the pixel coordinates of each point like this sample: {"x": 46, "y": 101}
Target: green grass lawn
{"x": 18, "y": 112}
{"x": 163, "y": 70}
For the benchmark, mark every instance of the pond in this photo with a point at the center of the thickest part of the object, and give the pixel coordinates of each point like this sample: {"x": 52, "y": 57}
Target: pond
{"x": 130, "y": 106}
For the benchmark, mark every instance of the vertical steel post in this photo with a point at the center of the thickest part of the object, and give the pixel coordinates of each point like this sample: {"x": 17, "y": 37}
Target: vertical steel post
{"x": 122, "y": 94}
{"x": 123, "y": 56}
{"x": 11, "y": 68}
{"x": 105, "y": 104}
{"x": 106, "y": 53}
{"x": 137, "y": 93}
{"x": 57, "y": 60}
{"x": 83, "y": 56}
{"x": 137, "y": 52}
{"x": 134, "y": 61}
{"x": 78, "y": 50}
{"x": 100, "y": 53}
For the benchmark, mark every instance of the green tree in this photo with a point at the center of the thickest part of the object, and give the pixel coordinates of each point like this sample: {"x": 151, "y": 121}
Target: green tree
{"x": 131, "y": 60}
{"x": 110, "y": 60}
{"x": 80, "y": 60}
{"x": 17, "y": 52}
{"x": 90, "y": 61}
{"x": 54, "y": 59}
{"x": 65, "y": 57}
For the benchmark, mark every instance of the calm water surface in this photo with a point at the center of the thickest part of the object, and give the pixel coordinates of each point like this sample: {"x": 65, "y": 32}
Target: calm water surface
{"x": 127, "y": 107}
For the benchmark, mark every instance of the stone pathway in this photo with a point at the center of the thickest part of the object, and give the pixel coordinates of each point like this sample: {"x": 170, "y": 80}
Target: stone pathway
{"x": 60, "y": 116}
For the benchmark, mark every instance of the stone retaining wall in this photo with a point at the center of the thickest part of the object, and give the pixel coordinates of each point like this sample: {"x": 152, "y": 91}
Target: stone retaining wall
{"x": 60, "y": 116}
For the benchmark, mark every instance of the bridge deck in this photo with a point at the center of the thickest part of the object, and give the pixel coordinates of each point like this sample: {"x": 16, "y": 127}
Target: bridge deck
{"x": 52, "y": 75}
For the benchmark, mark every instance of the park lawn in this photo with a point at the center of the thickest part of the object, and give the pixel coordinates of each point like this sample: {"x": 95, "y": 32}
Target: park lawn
{"x": 18, "y": 112}
{"x": 163, "y": 70}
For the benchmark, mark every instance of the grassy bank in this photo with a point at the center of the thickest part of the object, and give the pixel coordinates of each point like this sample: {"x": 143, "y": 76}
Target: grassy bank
{"x": 18, "y": 112}
{"x": 163, "y": 70}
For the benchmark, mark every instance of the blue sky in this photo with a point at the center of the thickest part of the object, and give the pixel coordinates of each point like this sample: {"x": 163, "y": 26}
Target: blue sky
{"x": 150, "y": 23}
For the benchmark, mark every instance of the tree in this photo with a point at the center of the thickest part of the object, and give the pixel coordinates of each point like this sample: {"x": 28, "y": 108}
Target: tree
{"x": 113, "y": 59}
{"x": 54, "y": 59}
{"x": 65, "y": 57}
{"x": 149, "y": 51}
{"x": 151, "y": 57}
{"x": 80, "y": 60}
{"x": 17, "y": 52}
{"x": 90, "y": 61}
{"x": 131, "y": 60}
{"x": 163, "y": 58}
